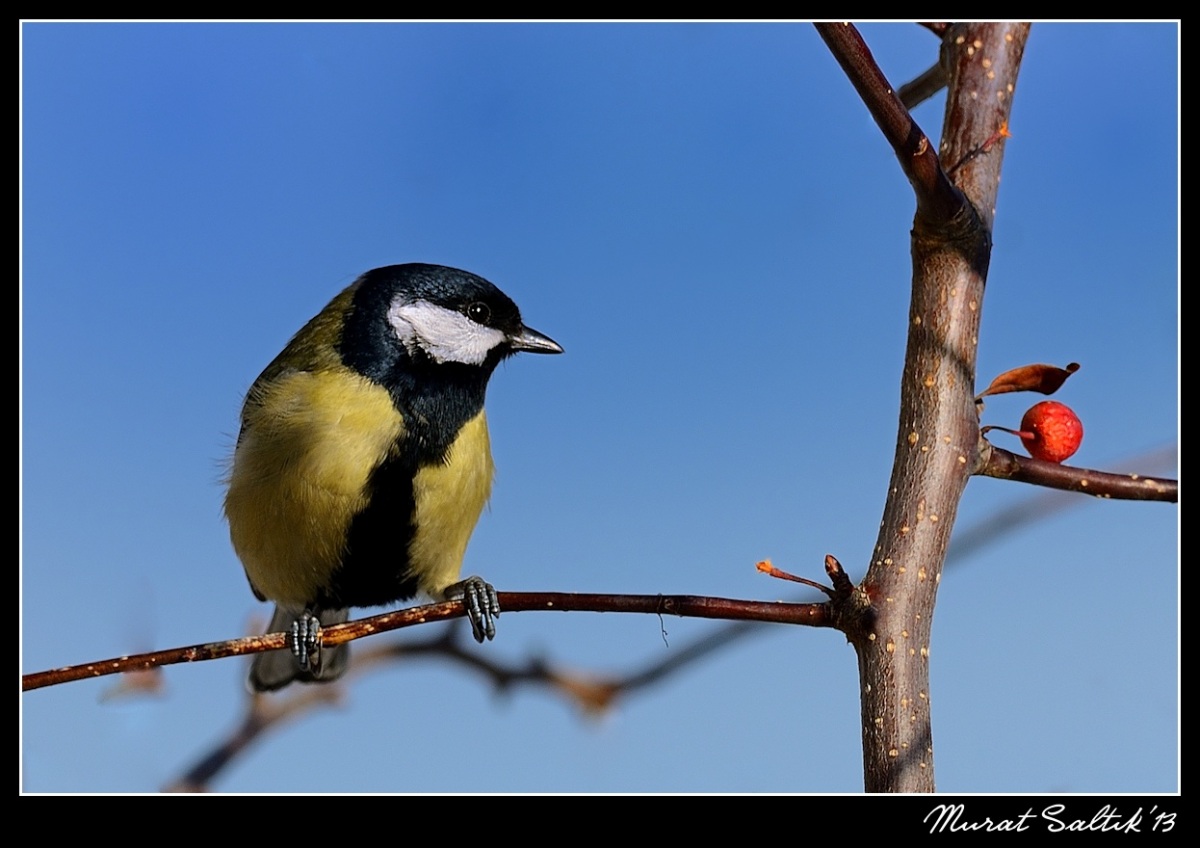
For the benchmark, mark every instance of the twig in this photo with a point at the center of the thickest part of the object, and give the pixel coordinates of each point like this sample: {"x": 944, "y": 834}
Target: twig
{"x": 997, "y": 462}
{"x": 687, "y": 606}
{"x": 937, "y": 198}
{"x": 916, "y": 91}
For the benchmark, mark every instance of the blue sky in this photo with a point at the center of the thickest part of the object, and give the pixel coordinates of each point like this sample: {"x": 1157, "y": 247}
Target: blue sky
{"x": 707, "y": 220}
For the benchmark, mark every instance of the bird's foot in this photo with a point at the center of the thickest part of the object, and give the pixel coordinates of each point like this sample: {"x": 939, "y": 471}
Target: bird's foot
{"x": 483, "y": 607}
{"x": 306, "y": 642}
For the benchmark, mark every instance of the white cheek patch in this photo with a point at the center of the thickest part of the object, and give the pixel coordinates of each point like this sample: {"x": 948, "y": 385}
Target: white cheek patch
{"x": 443, "y": 334}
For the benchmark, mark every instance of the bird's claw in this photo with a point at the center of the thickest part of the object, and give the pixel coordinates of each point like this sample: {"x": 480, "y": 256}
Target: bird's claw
{"x": 483, "y": 606}
{"x": 306, "y": 642}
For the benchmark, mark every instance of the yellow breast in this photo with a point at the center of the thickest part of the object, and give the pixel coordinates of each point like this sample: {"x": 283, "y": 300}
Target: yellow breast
{"x": 300, "y": 475}
{"x": 449, "y": 499}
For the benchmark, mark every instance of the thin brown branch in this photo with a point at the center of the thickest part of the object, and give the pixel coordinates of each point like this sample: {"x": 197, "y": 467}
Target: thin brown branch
{"x": 1005, "y": 465}
{"x": 593, "y": 694}
{"x": 937, "y": 198}
{"x": 680, "y": 658}
{"x": 154, "y": 659}
{"x": 1046, "y": 504}
{"x": 265, "y": 712}
{"x": 262, "y": 714}
{"x": 916, "y": 91}
{"x": 686, "y": 606}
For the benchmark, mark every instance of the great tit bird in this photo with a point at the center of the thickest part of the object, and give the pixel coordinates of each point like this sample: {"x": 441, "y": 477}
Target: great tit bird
{"x": 363, "y": 460}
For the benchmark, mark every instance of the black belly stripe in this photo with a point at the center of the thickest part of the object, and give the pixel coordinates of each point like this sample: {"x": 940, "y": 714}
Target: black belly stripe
{"x": 375, "y": 567}
{"x": 435, "y": 401}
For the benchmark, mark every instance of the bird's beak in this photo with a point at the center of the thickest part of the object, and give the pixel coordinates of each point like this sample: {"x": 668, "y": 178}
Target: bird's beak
{"x": 532, "y": 341}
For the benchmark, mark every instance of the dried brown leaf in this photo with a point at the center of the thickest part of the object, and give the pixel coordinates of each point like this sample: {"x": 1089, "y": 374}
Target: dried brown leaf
{"x": 1045, "y": 379}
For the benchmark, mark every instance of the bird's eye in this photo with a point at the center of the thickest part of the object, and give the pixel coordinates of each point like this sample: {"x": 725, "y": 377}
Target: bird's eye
{"x": 480, "y": 313}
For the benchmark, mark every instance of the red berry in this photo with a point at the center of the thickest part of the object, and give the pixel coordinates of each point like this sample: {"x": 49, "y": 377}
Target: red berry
{"x": 1051, "y": 431}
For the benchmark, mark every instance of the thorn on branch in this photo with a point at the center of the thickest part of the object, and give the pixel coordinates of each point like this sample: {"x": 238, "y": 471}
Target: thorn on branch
{"x": 842, "y": 584}
{"x": 983, "y": 148}
{"x": 843, "y": 587}
{"x": 767, "y": 568}
{"x": 996, "y": 136}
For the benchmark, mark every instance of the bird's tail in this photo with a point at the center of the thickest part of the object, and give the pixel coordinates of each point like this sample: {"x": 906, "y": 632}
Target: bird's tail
{"x": 276, "y": 669}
